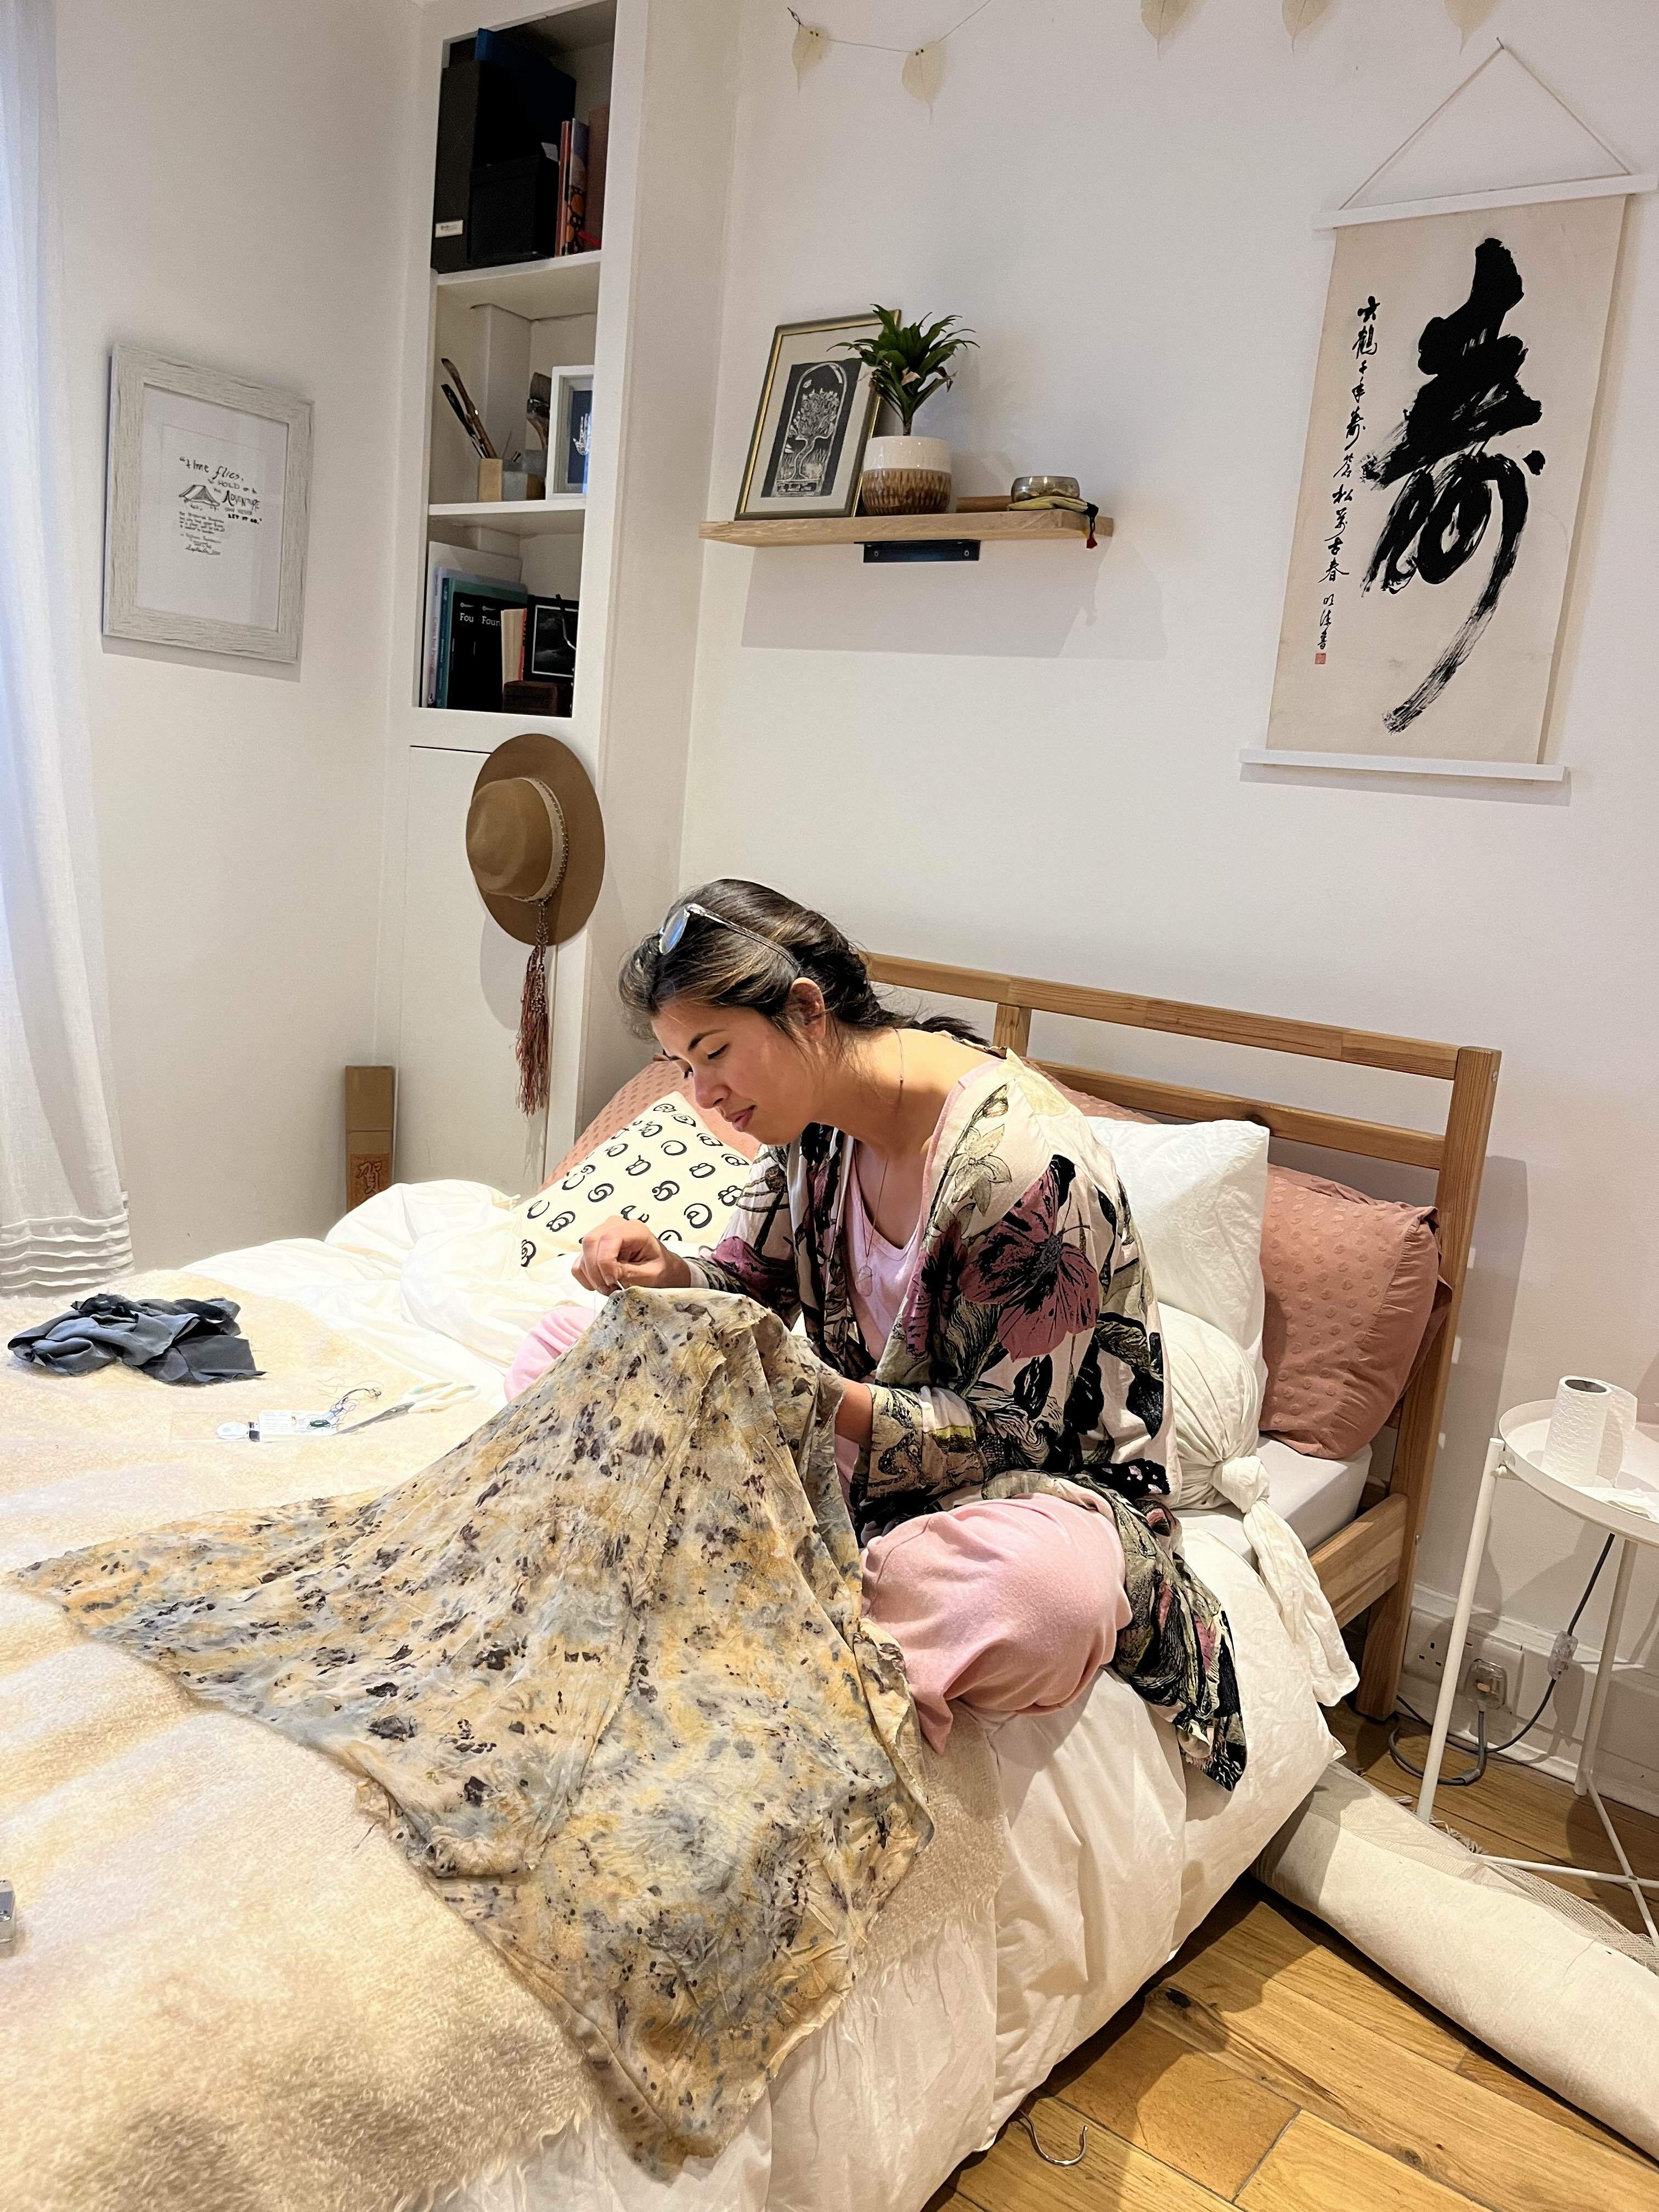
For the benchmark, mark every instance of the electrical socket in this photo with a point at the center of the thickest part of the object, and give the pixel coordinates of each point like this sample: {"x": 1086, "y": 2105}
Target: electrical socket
{"x": 1489, "y": 1683}
{"x": 1430, "y": 1637}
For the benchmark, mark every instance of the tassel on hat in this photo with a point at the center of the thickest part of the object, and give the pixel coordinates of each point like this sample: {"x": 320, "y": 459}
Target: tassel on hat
{"x": 534, "y": 1043}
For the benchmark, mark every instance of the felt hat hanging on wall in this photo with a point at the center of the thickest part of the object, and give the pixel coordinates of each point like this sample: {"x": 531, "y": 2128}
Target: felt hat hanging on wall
{"x": 535, "y": 843}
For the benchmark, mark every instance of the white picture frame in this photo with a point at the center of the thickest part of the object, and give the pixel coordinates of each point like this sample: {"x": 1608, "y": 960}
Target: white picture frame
{"x": 206, "y": 509}
{"x": 569, "y": 430}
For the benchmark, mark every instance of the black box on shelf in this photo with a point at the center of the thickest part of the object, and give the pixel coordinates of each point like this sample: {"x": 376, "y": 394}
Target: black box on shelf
{"x": 500, "y": 103}
{"x": 515, "y": 211}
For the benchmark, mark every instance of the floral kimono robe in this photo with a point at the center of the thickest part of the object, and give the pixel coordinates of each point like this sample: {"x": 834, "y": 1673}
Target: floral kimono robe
{"x": 1026, "y": 1357}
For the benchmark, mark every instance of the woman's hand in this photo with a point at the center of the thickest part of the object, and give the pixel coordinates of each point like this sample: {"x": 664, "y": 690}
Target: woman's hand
{"x": 620, "y": 1255}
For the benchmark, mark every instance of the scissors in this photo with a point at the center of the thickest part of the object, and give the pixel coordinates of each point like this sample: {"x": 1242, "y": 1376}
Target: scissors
{"x": 426, "y": 1398}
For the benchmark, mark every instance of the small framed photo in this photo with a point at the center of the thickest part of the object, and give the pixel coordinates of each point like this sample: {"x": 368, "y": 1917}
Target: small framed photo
{"x": 572, "y": 427}
{"x": 207, "y": 503}
{"x": 815, "y": 409}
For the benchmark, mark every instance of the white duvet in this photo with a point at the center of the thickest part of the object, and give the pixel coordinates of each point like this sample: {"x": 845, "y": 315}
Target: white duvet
{"x": 1115, "y": 1851}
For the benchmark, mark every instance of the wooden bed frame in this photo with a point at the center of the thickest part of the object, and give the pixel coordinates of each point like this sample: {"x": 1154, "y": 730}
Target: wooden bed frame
{"x": 1371, "y": 1562}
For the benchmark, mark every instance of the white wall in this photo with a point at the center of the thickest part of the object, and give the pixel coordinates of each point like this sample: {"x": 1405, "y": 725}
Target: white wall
{"x": 236, "y": 188}
{"x": 1033, "y": 763}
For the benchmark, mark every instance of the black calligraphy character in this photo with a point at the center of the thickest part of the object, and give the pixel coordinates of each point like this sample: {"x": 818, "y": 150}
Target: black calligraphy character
{"x": 1442, "y": 510}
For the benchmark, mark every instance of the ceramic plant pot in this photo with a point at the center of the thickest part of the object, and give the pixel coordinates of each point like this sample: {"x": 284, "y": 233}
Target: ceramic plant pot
{"x": 906, "y": 475}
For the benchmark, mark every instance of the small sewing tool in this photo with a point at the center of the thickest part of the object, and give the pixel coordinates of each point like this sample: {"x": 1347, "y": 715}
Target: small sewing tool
{"x": 475, "y": 420}
{"x": 282, "y": 1421}
{"x": 426, "y": 1398}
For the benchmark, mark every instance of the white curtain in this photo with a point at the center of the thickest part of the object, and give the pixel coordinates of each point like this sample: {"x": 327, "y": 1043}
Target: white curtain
{"x": 62, "y": 1212}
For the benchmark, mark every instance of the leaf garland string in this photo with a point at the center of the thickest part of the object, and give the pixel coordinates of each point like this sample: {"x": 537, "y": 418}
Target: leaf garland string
{"x": 922, "y": 73}
{"x": 923, "y": 70}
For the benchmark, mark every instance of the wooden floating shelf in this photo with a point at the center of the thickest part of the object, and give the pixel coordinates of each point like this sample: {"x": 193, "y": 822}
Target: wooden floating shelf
{"x": 513, "y": 518}
{"x": 1021, "y": 525}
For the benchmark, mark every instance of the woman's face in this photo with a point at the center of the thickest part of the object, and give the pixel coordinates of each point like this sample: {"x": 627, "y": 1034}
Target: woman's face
{"x": 744, "y": 1067}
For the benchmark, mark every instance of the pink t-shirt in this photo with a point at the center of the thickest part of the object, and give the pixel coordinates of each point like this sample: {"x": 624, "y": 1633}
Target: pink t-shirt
{"x": 879, "y": 1272}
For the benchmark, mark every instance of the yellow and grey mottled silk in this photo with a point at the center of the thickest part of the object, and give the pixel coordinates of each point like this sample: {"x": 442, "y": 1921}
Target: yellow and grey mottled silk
{"x": 603, "y": 1671}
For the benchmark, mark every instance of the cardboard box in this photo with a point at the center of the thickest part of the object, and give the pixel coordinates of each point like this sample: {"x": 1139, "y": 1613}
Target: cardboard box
{"x": 370, "y": 1118}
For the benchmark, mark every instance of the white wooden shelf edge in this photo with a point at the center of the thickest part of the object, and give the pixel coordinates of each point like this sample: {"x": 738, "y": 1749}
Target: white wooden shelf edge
{"x": 514, "y": 518}
{"x": 569, "y": 285}
{"x": 1403, "y": 764}
{"x": 481, "y": 744}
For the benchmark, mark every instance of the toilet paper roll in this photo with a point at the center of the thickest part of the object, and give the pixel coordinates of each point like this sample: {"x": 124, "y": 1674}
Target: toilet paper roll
{"x": 1588, "y": 1426}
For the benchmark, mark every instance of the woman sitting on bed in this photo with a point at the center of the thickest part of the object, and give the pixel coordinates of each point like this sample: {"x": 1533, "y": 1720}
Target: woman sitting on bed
{"x": 955, "y": 1235}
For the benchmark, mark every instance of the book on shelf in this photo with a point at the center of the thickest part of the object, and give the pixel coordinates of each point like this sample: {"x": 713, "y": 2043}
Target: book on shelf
{"x": 598, "y": 146}
{"x": 452, "y": 560}
{"x": 470, "y": 641}
{"x": 512, "y": 626}
{"x": 570, "y": 235}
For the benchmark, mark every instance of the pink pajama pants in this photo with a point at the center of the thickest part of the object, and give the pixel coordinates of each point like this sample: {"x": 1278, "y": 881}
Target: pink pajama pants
{"x": 1011, "y": 1605}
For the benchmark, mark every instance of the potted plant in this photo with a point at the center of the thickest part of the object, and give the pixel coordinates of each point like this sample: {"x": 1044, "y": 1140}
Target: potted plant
{"x": 908, "y": 363}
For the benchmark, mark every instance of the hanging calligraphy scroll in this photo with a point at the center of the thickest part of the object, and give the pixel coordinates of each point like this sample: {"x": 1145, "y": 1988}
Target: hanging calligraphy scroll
{"x": 1457, "y": 375}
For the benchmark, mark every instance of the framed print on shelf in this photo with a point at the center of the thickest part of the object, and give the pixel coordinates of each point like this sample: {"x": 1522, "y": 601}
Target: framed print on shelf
{"x": 572, "y": 427}
{"x": 817, "y": 408}
{"x": 208, "y": 500}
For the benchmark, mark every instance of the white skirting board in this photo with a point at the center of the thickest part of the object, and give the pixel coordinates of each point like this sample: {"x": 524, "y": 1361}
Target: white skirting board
{"x": 1403, "y": 764}
{"x": 1627, "y": 1764}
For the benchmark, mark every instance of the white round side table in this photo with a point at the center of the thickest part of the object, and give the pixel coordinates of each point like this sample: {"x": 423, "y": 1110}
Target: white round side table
{"x": 1516, "y": 1452}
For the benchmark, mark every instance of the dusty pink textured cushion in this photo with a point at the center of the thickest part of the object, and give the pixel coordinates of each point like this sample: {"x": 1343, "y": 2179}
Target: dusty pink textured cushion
{"x": 1352, "y": 1285}
{"x": 655, "y": 1080}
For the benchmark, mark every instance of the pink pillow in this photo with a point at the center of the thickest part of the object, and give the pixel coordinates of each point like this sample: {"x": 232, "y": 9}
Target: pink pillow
{"x": 654, "y": 1081}
{"x": 1352, "y": 1284}
{"x": 1354, "y": 1299}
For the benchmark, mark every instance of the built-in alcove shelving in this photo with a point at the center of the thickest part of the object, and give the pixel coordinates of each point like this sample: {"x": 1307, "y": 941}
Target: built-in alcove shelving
{"x": 500, "y": 326}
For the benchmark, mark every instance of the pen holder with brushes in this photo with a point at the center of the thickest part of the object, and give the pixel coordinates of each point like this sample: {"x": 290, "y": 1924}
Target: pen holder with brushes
{"x": 497, "y": 481}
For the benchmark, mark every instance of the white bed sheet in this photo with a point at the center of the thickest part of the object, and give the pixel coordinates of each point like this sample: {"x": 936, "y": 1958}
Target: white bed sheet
{"x": 1115, "y": 1851}
{"x": 1317, "y": 1496}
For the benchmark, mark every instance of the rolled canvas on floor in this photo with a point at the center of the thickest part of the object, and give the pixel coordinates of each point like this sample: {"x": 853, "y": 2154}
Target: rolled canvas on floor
{"x": 1569, "y": 2010}
{"x": 1457, "y": 374}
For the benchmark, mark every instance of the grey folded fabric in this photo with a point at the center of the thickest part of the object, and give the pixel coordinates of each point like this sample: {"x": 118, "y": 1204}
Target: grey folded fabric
{"x": 174, "y": 1340}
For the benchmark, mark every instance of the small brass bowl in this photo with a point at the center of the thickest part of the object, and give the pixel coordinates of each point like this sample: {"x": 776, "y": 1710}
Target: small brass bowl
{"x": 1045, "y": 488}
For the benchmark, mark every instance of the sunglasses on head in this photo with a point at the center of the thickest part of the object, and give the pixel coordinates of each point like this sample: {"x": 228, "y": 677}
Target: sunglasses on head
{"x": 674, "y": 922}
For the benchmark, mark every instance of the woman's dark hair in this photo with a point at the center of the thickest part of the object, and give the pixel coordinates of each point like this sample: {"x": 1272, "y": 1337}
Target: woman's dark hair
{"x": 780, "y": 943}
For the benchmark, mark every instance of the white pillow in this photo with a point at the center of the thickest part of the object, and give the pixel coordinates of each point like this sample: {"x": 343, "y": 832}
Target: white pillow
{"x": 1218, "y": 1403}
{"x": 1197, "y": 1190}
{"x": 1217, "y": 1400}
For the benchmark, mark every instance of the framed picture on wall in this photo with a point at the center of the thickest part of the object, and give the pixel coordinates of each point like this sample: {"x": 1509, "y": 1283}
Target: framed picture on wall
{"x": 208, "y": 496}
{"x": 572, "y": 428}
{"x": 817, "y": 406}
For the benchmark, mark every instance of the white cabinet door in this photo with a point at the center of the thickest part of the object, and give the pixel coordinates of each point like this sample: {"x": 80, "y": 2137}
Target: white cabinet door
{"x": 458, "y": 1075}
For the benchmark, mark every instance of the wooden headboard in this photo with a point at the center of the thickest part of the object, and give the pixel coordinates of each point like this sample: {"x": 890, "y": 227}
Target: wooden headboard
{"x": 1371, "y": 1562}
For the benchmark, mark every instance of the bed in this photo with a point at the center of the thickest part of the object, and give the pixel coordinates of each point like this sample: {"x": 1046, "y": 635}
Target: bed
{"x": 1368, "y": 1566}
{"x": 1076, "y": 1857}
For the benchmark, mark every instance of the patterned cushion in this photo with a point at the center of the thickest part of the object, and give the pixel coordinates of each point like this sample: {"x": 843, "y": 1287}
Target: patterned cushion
{"x": 665, "y": 1169}
{"x": 654, "y": 1081}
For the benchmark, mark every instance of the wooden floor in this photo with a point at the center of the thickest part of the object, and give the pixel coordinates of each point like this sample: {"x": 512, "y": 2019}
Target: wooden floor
{"x": 1273, "y": 2067}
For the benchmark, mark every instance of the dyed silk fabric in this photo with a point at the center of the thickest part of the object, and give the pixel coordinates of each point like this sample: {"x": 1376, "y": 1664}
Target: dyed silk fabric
{"x": 603, "y": 1671}
{"x": 1026, "y": 1356}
